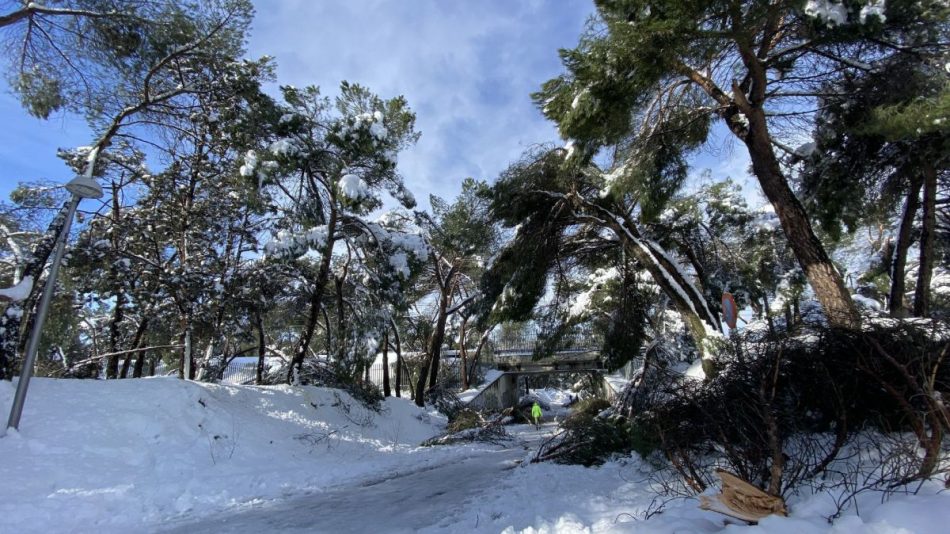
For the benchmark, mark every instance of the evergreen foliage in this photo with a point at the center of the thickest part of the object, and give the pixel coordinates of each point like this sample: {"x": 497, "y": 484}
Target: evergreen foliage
{"x": 87, "y": 56}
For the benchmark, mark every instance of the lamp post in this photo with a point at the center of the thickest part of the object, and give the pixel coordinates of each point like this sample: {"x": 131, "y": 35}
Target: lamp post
{"x": 82, "y": 186}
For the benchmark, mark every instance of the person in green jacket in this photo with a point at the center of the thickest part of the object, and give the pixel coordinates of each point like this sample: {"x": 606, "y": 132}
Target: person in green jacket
{"x": 536, "y": 415}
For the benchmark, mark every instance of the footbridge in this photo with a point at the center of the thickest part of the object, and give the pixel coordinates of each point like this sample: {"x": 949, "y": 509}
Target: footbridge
{"x": 578, "y": 352}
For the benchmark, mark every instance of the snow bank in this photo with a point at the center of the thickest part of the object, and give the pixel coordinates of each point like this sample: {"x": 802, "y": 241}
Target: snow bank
{"x": 553, "y": 396}
{"x": 128, "y": 455}
{"x": 105, "y": 456}
{"x": 616, "y": 497}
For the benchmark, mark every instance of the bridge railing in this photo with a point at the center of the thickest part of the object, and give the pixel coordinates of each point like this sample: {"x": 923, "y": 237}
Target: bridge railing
{"x": 528, "y": 340}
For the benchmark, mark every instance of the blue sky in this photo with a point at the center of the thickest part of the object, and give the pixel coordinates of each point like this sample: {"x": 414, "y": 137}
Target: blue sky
{"x": 466, "y": 68}
{"x": 28, "y": 146}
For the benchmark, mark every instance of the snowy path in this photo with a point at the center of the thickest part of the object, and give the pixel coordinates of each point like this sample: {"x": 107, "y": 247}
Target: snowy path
{"x": 431, "y": 498}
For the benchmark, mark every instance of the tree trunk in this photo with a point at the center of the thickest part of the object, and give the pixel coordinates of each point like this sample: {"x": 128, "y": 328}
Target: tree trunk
{"x": 261, "y": 347}
{"x": 927, "y": 235}
{"x": 430, "y": 369}
{"x": 897, "y": 307}
{"x": 316, "y": 302}
{"x": 136, "y": 343}
{"x": 126, "y": 365}
{"x": 327, "y": 332}
{"x": 341, "y": 324}
{"x": 186, "y": 369}
{"x": 478, "y": 351}
{"x": 118, "y": 314}
{"x": 399, "y": 363}
{"x": 463, "y": 364}
{"x": 139, "y": 366}
{"x": 686, "y": 297}
{"x": 438, "y": 338}
{"x": 768, "y": 313}
{"x": 386, "y": 391}
{"x": 825, "y": 280}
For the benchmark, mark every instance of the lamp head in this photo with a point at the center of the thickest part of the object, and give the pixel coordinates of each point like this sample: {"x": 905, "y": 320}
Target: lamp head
{"x": 84, "y": 187}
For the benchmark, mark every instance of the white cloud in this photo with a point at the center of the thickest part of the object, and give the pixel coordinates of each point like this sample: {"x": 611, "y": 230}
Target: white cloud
{"x": 466, "y": 68}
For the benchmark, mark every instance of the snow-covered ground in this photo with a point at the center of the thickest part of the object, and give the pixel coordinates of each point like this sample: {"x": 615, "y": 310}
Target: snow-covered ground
{"x": 162, "y": 454}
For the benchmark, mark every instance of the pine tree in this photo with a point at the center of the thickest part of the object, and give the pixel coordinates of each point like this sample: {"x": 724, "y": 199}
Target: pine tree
{"x": 562, "y": 207}
{"x": 323, "y": 171}
{"x": 647, "y": 69}
{"x": 879, "y": 138}
{"x": 460, "y": 236}
{"x": 72, "y": 55}
{"x": 177, "y": 62}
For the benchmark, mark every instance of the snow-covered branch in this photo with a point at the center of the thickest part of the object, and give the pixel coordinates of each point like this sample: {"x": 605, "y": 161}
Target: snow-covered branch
{"x": 18, "y": 292}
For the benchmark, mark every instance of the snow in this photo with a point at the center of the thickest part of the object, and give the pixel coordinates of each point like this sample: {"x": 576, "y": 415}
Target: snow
{"x": 414, "y": 244}
{"x": 577, "y": 98}
{"x": 695, "y": 370}
{"x": 107, "y": 455}
{"x": 875, "y": 8}
{"x": 282, "y": 147}
{"x": 596, "y": 281}
{"x": 569, "y": 147}
{"x": 742, "y": 119}
{"x": 580, "y": 306}
{"x": 378, "y": 131}
{"x": 552, "y": 396}
{"x": 833, "y": 13}
{"x": 353, "y": 187}
{"x": 287, "y": 243}
{"x": 18, "y": 292}
{"x": 162, "y": 454}
{"x": 400, "y": 263}
{"x": 653, "y": 250}
{"x": 363, "y": 123}
{"x": 940, "y": 282}
{"x": 317, "y": 236}
{"x": 867, "y": 303}
{"x": 806, "y": 150}
{"x": 611, "y": 178}
{"x": 250, "y": 164}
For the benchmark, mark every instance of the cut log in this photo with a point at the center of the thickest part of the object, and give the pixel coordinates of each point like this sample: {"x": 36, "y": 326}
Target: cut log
{"x": 742, "y": 500}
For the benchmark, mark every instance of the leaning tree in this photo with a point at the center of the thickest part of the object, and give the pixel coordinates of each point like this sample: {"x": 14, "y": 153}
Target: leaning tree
{"x": 757, "y": 66}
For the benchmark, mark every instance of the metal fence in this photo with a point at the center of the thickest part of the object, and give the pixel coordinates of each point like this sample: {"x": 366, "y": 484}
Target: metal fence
{"x": 236, "y": 373}
{"x": 450, "y": 373}
{"x": 376, "y": 376}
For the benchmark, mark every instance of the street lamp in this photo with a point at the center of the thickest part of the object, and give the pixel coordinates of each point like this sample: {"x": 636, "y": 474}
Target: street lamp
{"x": 82, "y": 186}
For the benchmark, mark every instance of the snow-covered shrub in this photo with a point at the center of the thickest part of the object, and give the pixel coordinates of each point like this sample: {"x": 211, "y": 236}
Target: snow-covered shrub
{"x": 320, "y": 373}
{"x": 785, "y": 406}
